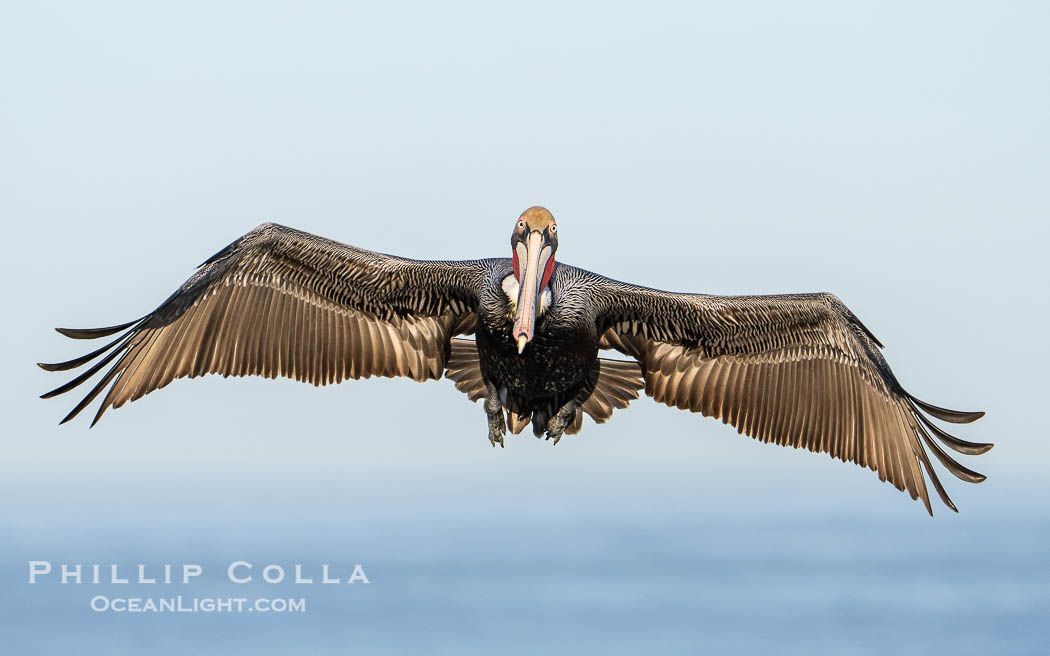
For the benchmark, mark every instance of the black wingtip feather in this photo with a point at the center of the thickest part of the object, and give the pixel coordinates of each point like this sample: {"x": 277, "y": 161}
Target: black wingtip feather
{"x": 94, "y": 392}
{"x": 944, "y": 414}
{"x": 937, "y": 485}
{"x": 76, "y": 362}
{"x": 94, "y": 333}
{"x": 960, "y": 445}
{"x": 90, "y": 372}
{"x": 958, "y": 470}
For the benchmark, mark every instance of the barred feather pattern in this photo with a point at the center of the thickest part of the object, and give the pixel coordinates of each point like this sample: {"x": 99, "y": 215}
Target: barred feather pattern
{"x": 280, "y": 302}
{"x": 795, "y": 370}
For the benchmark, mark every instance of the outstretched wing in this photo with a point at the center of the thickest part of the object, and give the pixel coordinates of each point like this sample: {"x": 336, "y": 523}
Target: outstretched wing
{"x": 797, "y": 370}
{"x": 280, "y": 302}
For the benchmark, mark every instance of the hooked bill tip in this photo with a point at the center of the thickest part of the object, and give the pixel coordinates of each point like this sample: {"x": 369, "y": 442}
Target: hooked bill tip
{"x": 522, "y": 341}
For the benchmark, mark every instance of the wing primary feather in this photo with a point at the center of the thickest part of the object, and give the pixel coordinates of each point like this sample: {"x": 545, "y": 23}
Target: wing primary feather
{"x": 227, "y": 361}
{"x": 842, "y": 412}
{"x": 853, "y": 421}
{"x": 172, "y": 352}
{"x": 311, "y": 339}
{"x": 269, "y": 346}
{"x": 871, "y": 426}
{"x": 752, "y": 391}
{"x": 84, "y": 359}
{"x": 89, "y": 373}
{"x": 88, "y": 398}
{"x": 898, "y": 473}
{"x": 298, "y": 348}
{"x": 222, "y": 345}
{"x": 340, "y": 354}
{"x": 774, "y": 403}
{"x": 182, "y": 363}
{"x": 937, "y": 485}
{"x": 950, "y": 416}
{"x": 205, "y": 340}
{"x": 129, "y": 379}
{"x": 781, "y": 426}
{"x": 95, "y": 333}
{"x": 912, "y": 473}
{"x": 328, "y": 347}
{"x": 96, "y": 389}
{"x": 793, "y": 435}
{"x": 879, "y": 441}
{"x": 962, "y": 446}
{"x": 124, "y": 373}
{"x": 245, "y": 364}
{"x": 260, "y": 348}
{"x": 960, "y": 472}
{"x": 736, "y": 395}
{"x": 808, "y": 396}
{"x": 824, "y": 406}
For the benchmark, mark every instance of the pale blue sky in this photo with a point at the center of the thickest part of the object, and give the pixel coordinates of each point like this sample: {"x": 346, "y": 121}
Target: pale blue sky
{"x": 893, "y": 154}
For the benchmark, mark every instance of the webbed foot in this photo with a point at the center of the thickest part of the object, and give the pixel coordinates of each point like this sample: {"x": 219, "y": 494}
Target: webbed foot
{"x": 557, "y": 424}
{"x": 494, "y": 412}
{"x": 497, "y": 429}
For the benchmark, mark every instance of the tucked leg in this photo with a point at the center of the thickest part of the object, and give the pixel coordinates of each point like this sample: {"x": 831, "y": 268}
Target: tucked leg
{"x": 557, "y": 424}
{"x": 494, "y": 411}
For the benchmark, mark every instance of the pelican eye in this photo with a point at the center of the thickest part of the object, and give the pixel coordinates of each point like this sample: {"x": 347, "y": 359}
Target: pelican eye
{"x": 521, "y": 225}
{"x": 554, "y": 228}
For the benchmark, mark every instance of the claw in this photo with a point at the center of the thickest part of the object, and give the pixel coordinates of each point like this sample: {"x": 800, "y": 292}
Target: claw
{"x": 497, "y": 426}
{"x": 497, "y": 429}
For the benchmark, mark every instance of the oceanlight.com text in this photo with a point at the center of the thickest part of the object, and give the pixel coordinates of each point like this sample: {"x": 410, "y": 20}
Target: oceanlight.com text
{"x": 181, "y": 604}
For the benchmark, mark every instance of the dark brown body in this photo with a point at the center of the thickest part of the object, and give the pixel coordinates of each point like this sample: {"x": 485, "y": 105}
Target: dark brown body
{"x": 555, "y": 366}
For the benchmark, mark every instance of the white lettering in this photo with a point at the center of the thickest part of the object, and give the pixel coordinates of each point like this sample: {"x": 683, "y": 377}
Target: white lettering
{"x": 324, "y": 575}
{"x": 190, "y": 571}
{"x": 38, "y": 567}
{"x": 358, "y": 575}
{"x": 113, "y": 578}
{"x": 142, "y": 575}
{"x": 70, "y": 573}
{"x": 233, "y": 577}
{"x": 273, "y": 568}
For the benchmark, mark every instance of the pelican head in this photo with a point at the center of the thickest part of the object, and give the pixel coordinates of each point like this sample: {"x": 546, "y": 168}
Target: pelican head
{"x": 534, "y": 240}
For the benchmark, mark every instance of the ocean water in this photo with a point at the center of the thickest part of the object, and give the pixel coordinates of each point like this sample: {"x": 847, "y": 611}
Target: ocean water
{"x": 496, "y": 568}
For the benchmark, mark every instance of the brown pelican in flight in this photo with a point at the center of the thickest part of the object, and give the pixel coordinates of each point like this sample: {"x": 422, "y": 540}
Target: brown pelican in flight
{"x": 797, "y": 370}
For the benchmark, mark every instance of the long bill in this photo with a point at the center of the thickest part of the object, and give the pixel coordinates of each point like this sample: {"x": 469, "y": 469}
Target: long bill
{"x": 532, "y": 257}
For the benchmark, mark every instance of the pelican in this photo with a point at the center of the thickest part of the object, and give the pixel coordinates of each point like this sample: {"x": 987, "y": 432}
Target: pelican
{"x": 796, "y": 370}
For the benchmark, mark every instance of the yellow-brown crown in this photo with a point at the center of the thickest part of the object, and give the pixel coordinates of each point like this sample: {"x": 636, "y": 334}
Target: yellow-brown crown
{"x": 537, "y": 218}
